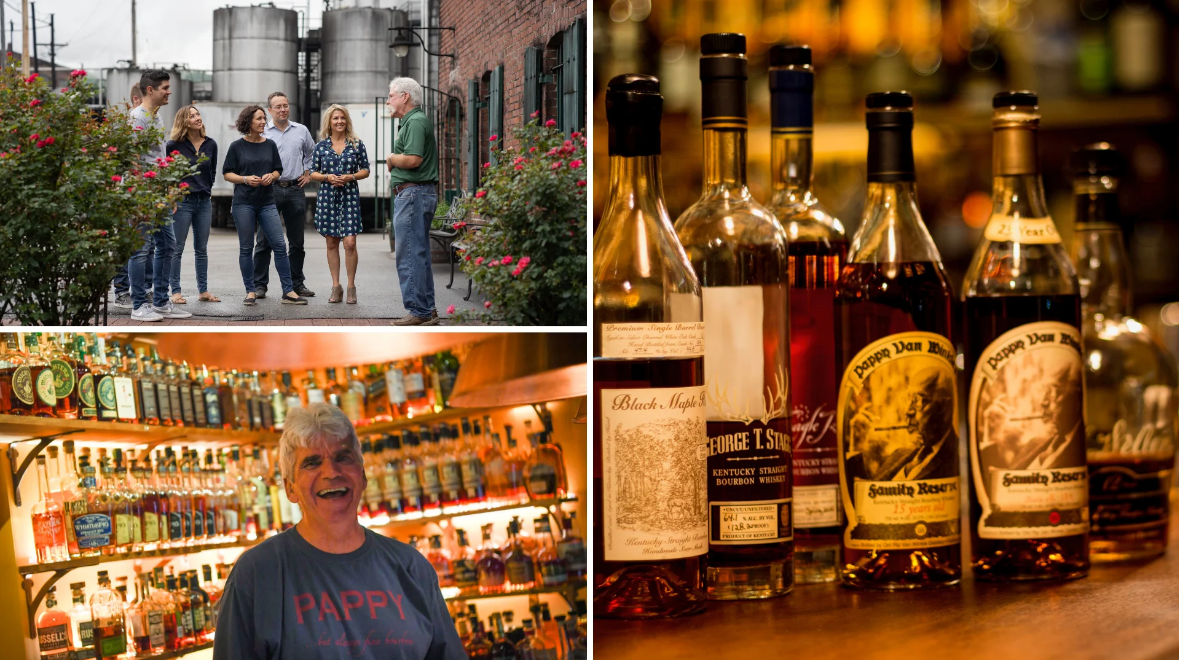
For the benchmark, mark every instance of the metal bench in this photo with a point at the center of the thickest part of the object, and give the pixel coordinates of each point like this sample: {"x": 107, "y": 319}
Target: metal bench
{"x": 447, "y": 236}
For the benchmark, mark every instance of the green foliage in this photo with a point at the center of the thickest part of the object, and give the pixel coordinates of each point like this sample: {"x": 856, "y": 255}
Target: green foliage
{"x": 530, "y": 261}
{"x": 442, "y": 209}
{"x": 75, "y": 187}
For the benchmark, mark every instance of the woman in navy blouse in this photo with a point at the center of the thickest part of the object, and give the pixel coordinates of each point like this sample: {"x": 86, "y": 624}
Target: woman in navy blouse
{"x": 196, "y": 210}
{"x": 338, "y": 162}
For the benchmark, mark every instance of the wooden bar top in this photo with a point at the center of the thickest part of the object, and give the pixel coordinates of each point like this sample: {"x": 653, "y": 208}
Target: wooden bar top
{"x": 1125, "y": 611}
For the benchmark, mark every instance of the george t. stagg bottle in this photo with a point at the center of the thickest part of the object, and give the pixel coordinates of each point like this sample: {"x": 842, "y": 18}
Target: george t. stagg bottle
{"x": 738, "y": 250}
{"x": 897, "y": 410}
{"x": 650, "y": 440}
{"x": 1029, "y": 505}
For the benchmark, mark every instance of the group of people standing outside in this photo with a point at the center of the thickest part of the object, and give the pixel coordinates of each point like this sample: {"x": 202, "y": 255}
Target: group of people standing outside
{"x": 269, "y": 166}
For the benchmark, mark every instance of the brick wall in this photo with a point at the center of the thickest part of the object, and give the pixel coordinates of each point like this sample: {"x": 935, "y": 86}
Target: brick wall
{"x": 493, "y": 32}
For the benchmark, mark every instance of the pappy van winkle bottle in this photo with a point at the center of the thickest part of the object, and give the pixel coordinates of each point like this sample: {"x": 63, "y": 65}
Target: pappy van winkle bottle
{"x": 1130, "y": 379}
{"x": 897, "y": 413}
{"x": 1030, "y": 500}
{"x": 650, "y": 494}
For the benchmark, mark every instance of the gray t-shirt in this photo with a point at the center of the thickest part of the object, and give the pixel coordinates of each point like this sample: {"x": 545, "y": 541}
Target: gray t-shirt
{"x": 141, "y": 119}
{"x": 287, "y": 599}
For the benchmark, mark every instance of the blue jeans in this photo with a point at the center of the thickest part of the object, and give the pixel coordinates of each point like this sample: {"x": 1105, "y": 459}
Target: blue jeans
{"x": 195, "y": 212}
{"x": 413, "y": 211}
{"x": 266, "y": 218}
{"x": 291, "y": 203}
{"x": 122, "y": 281}
{"x": 161, "y": 240}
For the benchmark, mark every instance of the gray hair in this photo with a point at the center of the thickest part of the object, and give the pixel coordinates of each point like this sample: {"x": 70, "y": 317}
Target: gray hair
{"x": 410, "y": 86}
{"x": 315, "y": 426}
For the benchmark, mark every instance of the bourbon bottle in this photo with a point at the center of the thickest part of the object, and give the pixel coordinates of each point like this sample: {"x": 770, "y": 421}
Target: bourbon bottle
{"x": 818, "y": 250}
{"x": 897, "y": 407}
{"x": 738, "y": 250}
{"x": 1030, "y": 502}
{"x": 41, "y": 373}
{"x": 650, "y": 492}
{"x": 1130, "y": 379}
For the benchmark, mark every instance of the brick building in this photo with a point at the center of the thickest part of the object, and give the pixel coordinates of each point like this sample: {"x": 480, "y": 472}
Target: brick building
{"x": 511, "y": 58}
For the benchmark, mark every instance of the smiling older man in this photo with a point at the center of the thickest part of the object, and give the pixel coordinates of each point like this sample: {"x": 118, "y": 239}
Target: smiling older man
{"x": 329, "y": 588}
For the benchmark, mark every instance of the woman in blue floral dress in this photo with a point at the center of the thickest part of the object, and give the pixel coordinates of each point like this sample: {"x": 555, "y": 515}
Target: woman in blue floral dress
{"x": 338, "y": 162}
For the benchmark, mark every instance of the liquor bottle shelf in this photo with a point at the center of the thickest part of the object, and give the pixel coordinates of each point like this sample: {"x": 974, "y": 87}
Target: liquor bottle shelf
{"x": 406, "y": 520}
{"x": 124, "y": 556}
{"x": 376, "y": 428}
{"x": 166, "y": 655}
{"x": 568, "y": 591}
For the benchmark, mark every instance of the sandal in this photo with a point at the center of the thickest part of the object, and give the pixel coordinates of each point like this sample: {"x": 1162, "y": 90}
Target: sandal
{"x": 208, "y": 297}
{"x": 178, "y": 299}
{"x": 251, "y": 298}
{"x": 337, "y": 294}
{"x": 351, "y": 295}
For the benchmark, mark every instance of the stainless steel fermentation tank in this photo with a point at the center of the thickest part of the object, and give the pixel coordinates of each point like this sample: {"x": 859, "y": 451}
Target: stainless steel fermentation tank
{"x": 255, "y": 52}
{"x": 356, "y": 61}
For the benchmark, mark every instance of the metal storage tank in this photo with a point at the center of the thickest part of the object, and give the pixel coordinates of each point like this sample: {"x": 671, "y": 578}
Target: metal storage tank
{"x": 255, "y": 52}
{"x": 356, "y": 61}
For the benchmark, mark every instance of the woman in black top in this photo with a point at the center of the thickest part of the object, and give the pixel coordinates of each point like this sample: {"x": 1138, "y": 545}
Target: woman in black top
{"x": 252, "y": 164}
{"x": 196, "y": 210}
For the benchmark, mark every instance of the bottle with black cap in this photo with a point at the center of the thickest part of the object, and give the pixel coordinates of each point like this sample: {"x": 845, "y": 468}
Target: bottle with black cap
{"x": 1029, "y": 504}
{"x": 739, "y": 251}
{"x": 896, "y": 416}
{"x": 818, "y": 250}
{"x": 1130, "y": 380}
{"x": 650, "y": 498}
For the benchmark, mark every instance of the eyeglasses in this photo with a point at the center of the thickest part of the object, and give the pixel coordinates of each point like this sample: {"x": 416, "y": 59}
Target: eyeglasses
{"x": 281, "y": 107}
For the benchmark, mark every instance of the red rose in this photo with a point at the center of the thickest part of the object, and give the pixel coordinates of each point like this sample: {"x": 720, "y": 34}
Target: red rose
{"x": 170, "y": 159}
{"x": 551, "y": 123}
{"x": 183, "y": 184}
{"x": 493, "y": 138}
{"x": 575, "y": 135}
{"x": 34, "y": 103}
{"x": 536, "y": 114}
{"x": 34, "y": 136}
{"x": 450, "y": 310}
{"x": 116, "y": 178}
{"x": 574, "y": 164}
{"x": 486, "y": 304}
{"x": 519, "y": 167}
{"x": 149, "y": 174}
{"x": 507, "y": 260}
{"x": 531, "y": 150}
{"x": 581, "y": 184}
{"x": 479, "y": 261}
{"x": 480, "y": 194}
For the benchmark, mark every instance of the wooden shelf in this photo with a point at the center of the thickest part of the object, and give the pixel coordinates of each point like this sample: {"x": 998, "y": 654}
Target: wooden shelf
{"x": 379, "y": 428}
{"x": 446, "y": 515}
{"x": 180, "y": 652}
{"x": 568, "y": 591}
{"x": 92, "y": 431}
{"x": 1124, "y": 611}
{"x": 150, "y": 554}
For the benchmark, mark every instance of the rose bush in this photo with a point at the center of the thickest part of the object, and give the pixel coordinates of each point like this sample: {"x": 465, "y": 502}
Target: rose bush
{"x": 74, "y": 189}
{"x": 530, "y": 262}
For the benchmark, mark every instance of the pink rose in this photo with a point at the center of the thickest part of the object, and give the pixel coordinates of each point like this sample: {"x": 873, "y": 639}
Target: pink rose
{"x": 480, "y": 194}
{"x": 83, "y": 149}
{"x": 551, "y": 123}
{"x": 575, "y": 135}
{"x": 486, "y": 304}
{"x": 536, "y": 114}
{"x": 574, "y": 164}
{"x": 531, "y": 150}
{"x": 556, "y": 165}
{"x": 524, "y": 261}
{"x": 116, "y": 178}
{"x": 76, "y": 73}
{"x": 34, "y": 103}
{"x": 137, "y": 128}
{"x": 493, "y": 138}
{"x": 450, "y": 310}
{"x": 112, "y": 149}
{"x": 50, "y": 140}
{"x": 102, "y": 232}
{"x": 507, "y": 260}
{"x": 34, "y": 136}
{"x": 468, "y": 257}
{"x": 519, "y": 160}
{"x": 40, "y": 143}
{"x": 519, "y": 167}
{"x": 479, "y": 261}
{"x": 183, "y": 184}
{"x": 516, "y": 273}
{"x": 581, "y": 184}
{"x": 149, "y": 174}
{"x": 486, "y": 165}
{"x": 33, "y": 77}
{"x": 175, "y": 152}
{"x": 170, "y": 159}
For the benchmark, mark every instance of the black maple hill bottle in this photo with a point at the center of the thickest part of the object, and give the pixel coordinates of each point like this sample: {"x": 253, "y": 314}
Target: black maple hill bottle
{"x": 650, "y": 453}
{"x": 738, "y": 250}
{"x": 1029, "y": 505}
{"x": 897, "y": 410}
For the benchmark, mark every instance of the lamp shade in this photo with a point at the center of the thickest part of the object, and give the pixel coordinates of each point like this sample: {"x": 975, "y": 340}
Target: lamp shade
{"x": 519, "y": 369}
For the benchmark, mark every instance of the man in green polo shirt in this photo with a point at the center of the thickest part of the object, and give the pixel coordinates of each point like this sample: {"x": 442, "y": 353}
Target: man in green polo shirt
{"x": 413, "y": 175}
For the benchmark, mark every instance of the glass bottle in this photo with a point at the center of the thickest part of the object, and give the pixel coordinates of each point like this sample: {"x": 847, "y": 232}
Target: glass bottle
{"x": 1023, "y": 356}
{"x": 494, "y": 465}
{"x": 479, "y": 646}
{"x": 200, "y": 413}
{"x": 1130, "y": 379}
{"x": 521, "y": 570}
{"x": 333, "y": 391}
{"x": 127, "y": 401}
{"x": 377, "y": 408}
{"x": 411, "y": 485}
{"x": 514, "y": 463}
{"x": 141, "y": 374}
{"x": 447, "y": 366}
{"x": 471, "y": 466}
{"x": 227, "y": 400}
{"x": 53, "y": 630}
{"x": 391, "y": 497}
{"x": 152, "y": 383}
{"x": 533, "y": 647}
{"x": 242, "y": 398}
{"x": 645, "y": 289}
{"x": 104, "y": 381}
{"x": 48, "y": 521}
{"x": 550, "y": 631}
{"x": 202, "y": 609}
{"x": 73, "y": 503}
{"x": 278, "y": 399}
{"x": 417, "y": 395}
{"x": 44, "y": 389}
{"x": 395, "y": 389}
{"x": 93, "y": 525}
{"x": 440, "y": 560}
{"x": 81, "y": 623}
{"x": 65, "y": 378}
{"x": 16, "y": 380}
{"x": 314, "y": 393}
{"x": 738, "y": 250}
{"x": 184, "y": 391}
{"x": 818, "y": 250}
{"x": 450, "y": 470}
{"x": 161, "y": 603}
{"x": 261, "y": 502}
{"x": 466, "y": 575}
{"x": 370, "y": 503}
{"x": 553, "y": 569}
{"x": 87, "y": 386}
{"x": 133, "y": 496}
{"x": 571, "y": 548}
{"x": 428, "y": 469}
{"x": 138, "y": 622}
{"x": 489, "y": 567}
{"x": 106, "y": 609}
{"x": 213, "y": 590}
{"x": 501, "y": 648}
{"x": 898, "y": 392}
{"x": 545, "y": 473}
{"x": 185, "y": 624}
{"x": 352, "y": 399}
{"x": 172, "y": 383}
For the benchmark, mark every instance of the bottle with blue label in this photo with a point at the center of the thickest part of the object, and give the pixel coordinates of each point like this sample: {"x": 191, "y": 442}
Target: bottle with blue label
{"x": 91, "y": 514}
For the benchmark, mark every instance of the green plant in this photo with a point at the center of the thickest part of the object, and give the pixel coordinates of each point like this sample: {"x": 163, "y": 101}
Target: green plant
{"x": 75, "y": 187}
{"x": 530, "y": 261}
{"x": 442, "y": 209}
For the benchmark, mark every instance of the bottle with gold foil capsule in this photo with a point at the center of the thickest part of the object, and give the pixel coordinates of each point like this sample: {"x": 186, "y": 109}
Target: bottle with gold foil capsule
{"x": 104, "y": 381}
{"x": 818, "y": 250}
{"x": 649, "y": 427}
{"x": 739, "y": 251}
{"x": 65, "y": 378}
{"x": 87, "y": 389}
{"x": 1023, "y": 355}
{"x": 896, "y": 416}
{"x": 1130, "y": 379}
{"x": 44, "y": 389}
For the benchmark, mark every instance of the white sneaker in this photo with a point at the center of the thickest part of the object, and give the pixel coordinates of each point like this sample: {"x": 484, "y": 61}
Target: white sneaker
{"x": 144, "y": 313}
{"x": 169, "y": 311}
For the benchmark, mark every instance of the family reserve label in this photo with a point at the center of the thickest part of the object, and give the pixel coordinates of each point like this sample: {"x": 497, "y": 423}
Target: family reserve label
{"x": 748, "y": 413}
{"x": 1027, "y": 435}
{"x": 1009, "y": 229}
{"x": 654, "y": 466}
{"x": 898, "y": 459}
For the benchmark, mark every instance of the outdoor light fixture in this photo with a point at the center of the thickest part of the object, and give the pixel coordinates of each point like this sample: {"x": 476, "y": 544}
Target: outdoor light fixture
{"x": 402, "y": 42}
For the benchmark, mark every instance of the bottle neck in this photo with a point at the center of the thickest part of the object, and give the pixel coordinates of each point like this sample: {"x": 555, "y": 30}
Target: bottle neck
{"x": 892, "y": 231}
{"x": 1099, "y": 251}
{"x": 724, "y": 159}
{"x": 1019, "y": 194}
{"x": 791, "y": 165}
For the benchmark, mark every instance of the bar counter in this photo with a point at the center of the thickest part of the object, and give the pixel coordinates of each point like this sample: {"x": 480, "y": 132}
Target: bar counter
{"x": 1125, "y": 611}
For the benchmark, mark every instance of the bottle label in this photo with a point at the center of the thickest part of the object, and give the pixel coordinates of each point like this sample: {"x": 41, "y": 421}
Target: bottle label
{"x": 812, "y": 413}
{"x": 521, "y": 570}
{"x": 165, "y": 402}
{"x": 122, "y": 529}
{"x": 415, "y": 383}
{"x": 63, "y": 378}
{"x": 293, "y": 402}
{"x": 664, "y": 340}
{"x": 189, "y": 624}
{"x": 198, "y": 617}
{"x": 465, "y": 573}
{"x": 1130, "y": 497}
{"x": 542, "y": 481}
{"x": 147, "y": 395}
{"x": 211, "y": 523}
{"x": 372, "y": 492}
{"x": 87, "y": 396}
{"x": 395, "y": 384}
{"x": 314, "y": 396}
{"x": 1009, "y": 229}
{"x": 22, "y": 385}
{"x": 352, "y": 403}
{"x": 53, "y": 638}
{"x": 431, "y": 484}
{"x": 151, "y": 527}
{"x": 816, "y": 506}
{"x": 175, "y": 525}
{"x": 198, "y": 408}
{"x": 212, "y": 409}
{"x": 898, "y": 468}
{"x": 1027, "y": 435}
{"x": 48, "y": 530}
{"x": 92, "y": 530}
{"x": 107, "y": 398}
{"x": 136, "y": 529}
{"x": 452, "y": 476}
{"x": 198, "y": 523}
{"x": 472, "y": 470}
{"x": 46, "y": 389}
{"x": 391, "y": 486}
{"x": 86, "y": 635}
{"x": 553, "y": 573}
{"x": 410, "y": 486}
{"x": 574, "y": 555}
{"x": 155, "y": 629}
{"x": 654, "y": 467}
{"x": 231, "y": 520}
{"x": 125, "y": 397}
{"x": 185, "y": 398}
